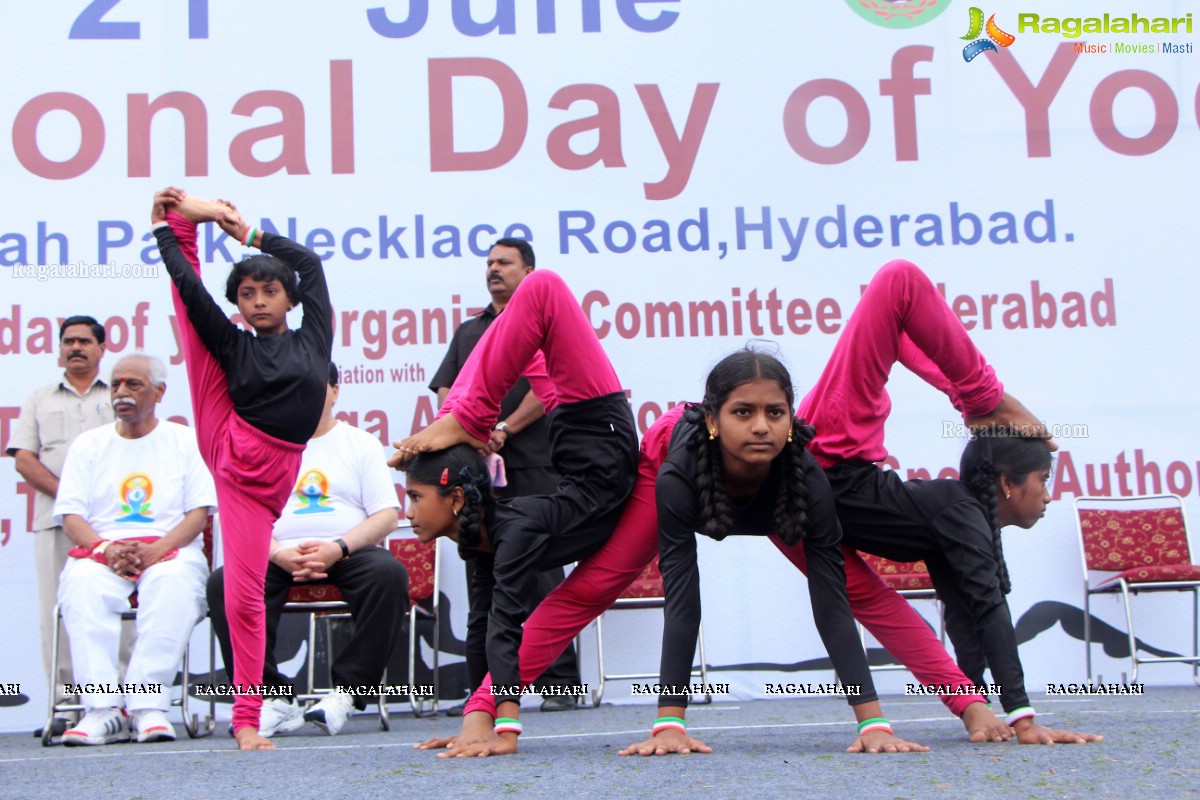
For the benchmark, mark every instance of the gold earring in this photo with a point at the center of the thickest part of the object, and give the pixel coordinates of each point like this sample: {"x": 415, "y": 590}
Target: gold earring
{"x": 1008, "y": 496}
{"x": 789, "y": 437}
{"x": 712, "y": 434}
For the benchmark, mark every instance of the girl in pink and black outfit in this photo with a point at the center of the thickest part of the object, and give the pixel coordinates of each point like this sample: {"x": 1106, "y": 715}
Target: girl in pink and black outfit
{"x": 257, "y": 399}
{"x": 953, "y": 525}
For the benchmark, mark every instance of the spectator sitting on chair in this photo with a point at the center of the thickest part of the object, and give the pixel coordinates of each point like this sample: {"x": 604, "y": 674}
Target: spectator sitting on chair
{"x": 51, "y": 418}
{"x": 343, "y": 507}
{"x": 133, "y": 497}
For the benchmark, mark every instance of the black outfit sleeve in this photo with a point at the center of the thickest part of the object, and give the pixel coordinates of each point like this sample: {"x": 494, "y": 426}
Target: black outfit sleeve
{"x": 968, "y": 572}
{"x": 969, "y": 651}
{"x": 316, "y": 326}
{"x": 678, "y": 511}
{"x": 452, "y": 362}
{"x": 479, "y": 603}
{"x": 827, "y": 587}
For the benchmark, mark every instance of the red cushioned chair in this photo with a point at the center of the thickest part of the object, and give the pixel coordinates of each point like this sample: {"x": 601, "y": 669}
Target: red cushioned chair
{"x": 912, "y": 582}
{"x": 1139, "y": 544}
{"x": 424, "y": 593}
{"x": 194, "y": 726}
{"x": 645, "y": 592}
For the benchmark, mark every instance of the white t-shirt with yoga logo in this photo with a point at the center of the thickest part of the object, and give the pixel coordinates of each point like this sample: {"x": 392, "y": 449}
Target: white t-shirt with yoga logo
{"x": 344, "y": 479}
{"x": 135, "y": 487}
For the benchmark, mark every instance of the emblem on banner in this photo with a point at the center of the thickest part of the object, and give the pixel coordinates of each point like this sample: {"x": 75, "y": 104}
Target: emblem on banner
{"x": 898, "y": 13}
{"x": 994, "y": 37}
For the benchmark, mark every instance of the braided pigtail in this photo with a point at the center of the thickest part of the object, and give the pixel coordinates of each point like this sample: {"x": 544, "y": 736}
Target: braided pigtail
{"x": 477, "y": 492}
{"x": 977, "y": 471}
{"x": 715, "y": 508}
{"x": 791, "y": 508}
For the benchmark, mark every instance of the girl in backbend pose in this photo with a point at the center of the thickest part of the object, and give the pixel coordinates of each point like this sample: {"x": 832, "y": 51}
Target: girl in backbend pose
{"x": 543, "y": 334}
{"x": 953, "y": 525}
{"x": 257, "y": 399}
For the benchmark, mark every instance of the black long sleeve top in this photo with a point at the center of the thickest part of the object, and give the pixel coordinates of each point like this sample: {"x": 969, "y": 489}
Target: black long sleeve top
{"x": 679, "y": 517}
{"x": 277, "y": 383}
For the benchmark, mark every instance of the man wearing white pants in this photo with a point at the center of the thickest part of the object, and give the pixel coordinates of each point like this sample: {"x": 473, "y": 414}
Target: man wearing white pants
{"x": 134, "y": 497}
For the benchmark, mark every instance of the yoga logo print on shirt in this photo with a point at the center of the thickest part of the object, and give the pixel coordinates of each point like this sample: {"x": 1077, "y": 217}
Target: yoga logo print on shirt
{"x": 135, "y": 493}
{"x": 312, "y": 493}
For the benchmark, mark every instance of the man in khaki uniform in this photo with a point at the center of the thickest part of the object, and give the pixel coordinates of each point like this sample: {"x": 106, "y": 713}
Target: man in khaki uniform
{"x": 51, "y": 418}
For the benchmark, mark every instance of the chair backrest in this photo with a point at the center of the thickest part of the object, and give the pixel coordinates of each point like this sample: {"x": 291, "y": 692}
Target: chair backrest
{"x": 1121, "y": 533}
{"x": 421, "y": 562}
{"x": 900, "y": 575}
{"x": 647, "y": 585}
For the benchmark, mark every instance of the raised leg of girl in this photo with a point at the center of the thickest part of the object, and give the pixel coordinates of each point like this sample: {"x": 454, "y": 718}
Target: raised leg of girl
{"x": 207, "y": 382}
{"x": 849, "y": 402}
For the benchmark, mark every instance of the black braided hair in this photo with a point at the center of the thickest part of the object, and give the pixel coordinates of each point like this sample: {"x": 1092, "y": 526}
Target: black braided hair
{"x": 791, "y": 511}
{"x": 988, "y": 456}
{"x": 462, "y": 466}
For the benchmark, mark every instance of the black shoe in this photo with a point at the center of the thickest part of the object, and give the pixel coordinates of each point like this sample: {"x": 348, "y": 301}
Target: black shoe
{"x": 56, "y": 730}
{"x": 560, "y": 702}
{"x": 456, "y": 711}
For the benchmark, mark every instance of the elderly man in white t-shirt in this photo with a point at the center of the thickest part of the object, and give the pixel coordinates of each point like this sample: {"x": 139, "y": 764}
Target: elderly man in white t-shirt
{"x": 133, "y": 497}
{"x": 342, "y": 509}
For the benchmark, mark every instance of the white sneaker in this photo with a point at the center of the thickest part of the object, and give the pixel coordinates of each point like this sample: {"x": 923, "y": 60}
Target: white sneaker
{"x": 152, "y": 725}
{"x": 279, "y": 716}
{"x": 331, "y": 712}
{"x": 99, "y": 726}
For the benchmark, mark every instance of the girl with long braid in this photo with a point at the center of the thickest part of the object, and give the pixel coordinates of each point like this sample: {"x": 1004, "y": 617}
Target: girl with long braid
{"x": 257, "y": 398}
{"x": 953, "y": 525}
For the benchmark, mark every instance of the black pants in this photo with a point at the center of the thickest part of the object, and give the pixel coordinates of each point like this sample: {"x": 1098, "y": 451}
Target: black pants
{"x": 940, "y": 522}
{"x": 593, "y": 445}
{"x": 522, "y": 482}
{"x": 375, "y": 586}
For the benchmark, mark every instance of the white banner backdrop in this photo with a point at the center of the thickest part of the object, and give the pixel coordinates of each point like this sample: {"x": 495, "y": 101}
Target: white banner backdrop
{"x": 702, "y": 173}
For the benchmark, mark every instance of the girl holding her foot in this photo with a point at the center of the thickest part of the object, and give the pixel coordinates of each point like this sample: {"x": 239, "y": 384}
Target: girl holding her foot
{"x": 257, "y": 398}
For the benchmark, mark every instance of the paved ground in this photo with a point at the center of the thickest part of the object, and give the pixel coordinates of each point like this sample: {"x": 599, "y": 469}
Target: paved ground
{"x": 764, "y": 749}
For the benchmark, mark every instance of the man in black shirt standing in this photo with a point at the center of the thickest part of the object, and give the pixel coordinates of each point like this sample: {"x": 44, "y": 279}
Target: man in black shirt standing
{"x": 520, "y": 439}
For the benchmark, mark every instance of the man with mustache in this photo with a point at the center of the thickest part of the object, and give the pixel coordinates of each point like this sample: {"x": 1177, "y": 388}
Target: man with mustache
{"x": 51, "y": 418}
{"x": 520, "y": 438}
{"x": 133, "y": 498}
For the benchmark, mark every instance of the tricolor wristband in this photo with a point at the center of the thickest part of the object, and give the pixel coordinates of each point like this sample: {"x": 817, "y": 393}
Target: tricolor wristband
{"x": 1017, "y": 714}
{"x": 250, "y": 234}
{"x": 666, "y": 723}
{"x": 508, "y": 725}
{"x": 875, "y": 724}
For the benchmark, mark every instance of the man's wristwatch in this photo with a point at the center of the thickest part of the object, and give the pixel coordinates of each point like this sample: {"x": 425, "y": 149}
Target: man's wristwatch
{"x": 502, "y": 426}
{"x": 345, "y": 550}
